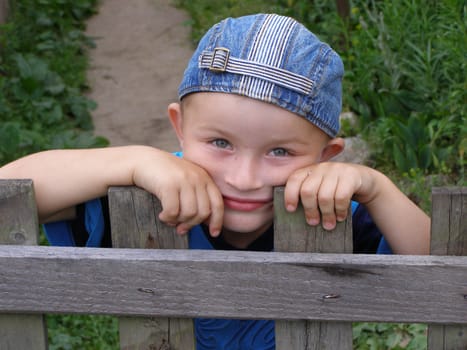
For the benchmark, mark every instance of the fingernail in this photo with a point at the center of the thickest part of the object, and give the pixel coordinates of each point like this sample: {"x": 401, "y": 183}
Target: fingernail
{"x": 312, "y": 221}
{"x": 290, "y": 207}
{"x": 328, "y": 225}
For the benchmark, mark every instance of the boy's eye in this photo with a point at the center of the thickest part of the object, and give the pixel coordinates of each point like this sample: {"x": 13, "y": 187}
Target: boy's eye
{"x": 221, "y": 143}
{"x": 279, "y": 152}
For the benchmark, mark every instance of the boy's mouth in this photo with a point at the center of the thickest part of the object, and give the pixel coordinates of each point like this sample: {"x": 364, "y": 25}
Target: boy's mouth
{"x": 244, "y": 204}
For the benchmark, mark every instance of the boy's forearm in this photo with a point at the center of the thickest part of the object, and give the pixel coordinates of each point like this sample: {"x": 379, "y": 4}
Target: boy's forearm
{"x": 65, "y": 178}
{"x": 405, "y": 226}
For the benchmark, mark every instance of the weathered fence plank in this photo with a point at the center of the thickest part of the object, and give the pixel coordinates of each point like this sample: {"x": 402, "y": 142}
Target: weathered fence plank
{"x": 449, "y": 237}
{"x": 236, "y": 284}
{"x": 293, "y": 234}
{"x": 19, "y": 226}
{"x": 134, "y": 224}
{"x": 18, "y": 215}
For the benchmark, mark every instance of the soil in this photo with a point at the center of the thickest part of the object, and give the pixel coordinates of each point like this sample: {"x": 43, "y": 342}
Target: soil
{"x": 142, "y": 48}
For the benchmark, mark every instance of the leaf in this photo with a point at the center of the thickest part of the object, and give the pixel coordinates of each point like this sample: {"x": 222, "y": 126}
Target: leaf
{"x": 373, "y": 344}
{"x": 404, "y": 133}
{"x": 23, "y": 66}
{"x": 418, "y": 342}
{"x": 44, "y": 20}
{"x": 393, "y": 339}
{"x": 424, "y": 157}
{"x": 45, "y": 103}
{"x": 399, "y": 158}
{"x": 416, "y": 129}
{"x": 46, "y": 46}
{"x": 54, "y": 85}
{"x": 80, "y": 108}
{"x": 31, "y": 67}
{"x": 54, "y": 115}
{"x": 411, "y": 158}
{"x": 9, "y": 137}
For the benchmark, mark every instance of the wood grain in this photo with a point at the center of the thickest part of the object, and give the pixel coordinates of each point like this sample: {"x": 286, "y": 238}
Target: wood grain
{"x": 449, "y": 237}
{"x": 293, "y": 234}
{"x": 192, "y": 283}
{"x": 135, "y": 224}
{"x": 19, "y": 226}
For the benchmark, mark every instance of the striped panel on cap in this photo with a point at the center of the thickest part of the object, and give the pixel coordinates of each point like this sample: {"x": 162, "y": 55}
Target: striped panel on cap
{"x": 261, "y": 69}
{"x": 269, "y": 49}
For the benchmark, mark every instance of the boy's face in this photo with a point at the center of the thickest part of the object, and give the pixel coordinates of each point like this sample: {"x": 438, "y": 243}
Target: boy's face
{"x": 248, "y": 147}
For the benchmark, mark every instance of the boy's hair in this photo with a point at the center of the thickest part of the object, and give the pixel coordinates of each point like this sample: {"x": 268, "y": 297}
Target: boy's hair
{"x": 271, "y": 58}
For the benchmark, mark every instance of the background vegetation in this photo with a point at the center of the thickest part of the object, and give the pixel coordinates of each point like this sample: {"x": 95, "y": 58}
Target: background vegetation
{"x": 405, "y": 80}
{"x": 43, "y": 62}
{"x": 42, "y": 78}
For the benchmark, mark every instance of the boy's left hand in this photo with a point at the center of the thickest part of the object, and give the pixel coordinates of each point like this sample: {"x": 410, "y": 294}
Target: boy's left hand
{"x": 326, "y": 189}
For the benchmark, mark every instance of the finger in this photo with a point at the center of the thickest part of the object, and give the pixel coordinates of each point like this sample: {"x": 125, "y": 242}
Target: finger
{"x": 203, "y": 203}
{"x": 342, "y": 199}
{"x": 217, "y": 211}
{"x": 188, "y": 204}
{"x": 309, "y": 198}
{"x": 203, "y": 210}
{"x": 170, "y": 201}
{"x": 195, "y": 208}
{"x": 326, "y": 202}
{"x": 292, "y": 189}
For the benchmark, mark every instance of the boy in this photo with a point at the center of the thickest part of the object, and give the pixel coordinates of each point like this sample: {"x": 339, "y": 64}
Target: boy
{"x": 259, "y": 107}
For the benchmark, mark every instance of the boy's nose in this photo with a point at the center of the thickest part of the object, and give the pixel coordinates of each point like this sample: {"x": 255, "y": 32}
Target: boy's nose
{"x": 243, "y": 174}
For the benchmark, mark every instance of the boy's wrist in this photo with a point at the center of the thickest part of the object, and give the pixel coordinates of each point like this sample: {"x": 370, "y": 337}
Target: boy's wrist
{"x": 374, "y": 186}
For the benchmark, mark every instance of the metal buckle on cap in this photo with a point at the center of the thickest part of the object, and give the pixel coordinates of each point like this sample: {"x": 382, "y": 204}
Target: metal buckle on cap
{"x": 219, "y": 60}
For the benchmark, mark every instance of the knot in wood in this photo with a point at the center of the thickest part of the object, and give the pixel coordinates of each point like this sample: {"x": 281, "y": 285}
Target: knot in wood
{"x": 331, "y": 296}
{"x": 146, "y": 290}
{"x": 18, "y": 237}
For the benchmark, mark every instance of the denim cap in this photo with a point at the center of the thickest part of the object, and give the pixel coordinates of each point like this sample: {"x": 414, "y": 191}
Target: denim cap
{"x": 273, "y": 59}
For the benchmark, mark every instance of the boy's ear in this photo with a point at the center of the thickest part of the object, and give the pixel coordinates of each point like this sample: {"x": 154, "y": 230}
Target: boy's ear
{"x": 175, "y": 116}
{"x": 332, "y": 149}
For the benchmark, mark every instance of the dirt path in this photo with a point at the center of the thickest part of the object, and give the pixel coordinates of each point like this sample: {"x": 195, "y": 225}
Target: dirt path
{"x": 142, "y": 50}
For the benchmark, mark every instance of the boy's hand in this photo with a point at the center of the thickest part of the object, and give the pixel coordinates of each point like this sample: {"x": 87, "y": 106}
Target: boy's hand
{"x": 326, "y": 189}
{"x": 186, "y": 191}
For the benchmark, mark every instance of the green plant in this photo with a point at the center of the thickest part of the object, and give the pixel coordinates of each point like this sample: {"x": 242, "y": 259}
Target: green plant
{"x": 84, "y": 332}
{"x": 376, "y": 336}
{"x": 418, "y": 143}
{"x": 42, "y": 78}
{"x": 406, "y": 70}
{"x": 43, "y": 66}
{"x": 205, "y": 13}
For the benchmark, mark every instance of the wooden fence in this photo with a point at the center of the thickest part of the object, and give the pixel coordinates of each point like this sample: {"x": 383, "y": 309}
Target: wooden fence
{"x": 313, "y": 297}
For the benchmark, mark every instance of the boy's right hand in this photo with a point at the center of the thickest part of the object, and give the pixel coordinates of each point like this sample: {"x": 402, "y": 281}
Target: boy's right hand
{"x": 187, "y": 193}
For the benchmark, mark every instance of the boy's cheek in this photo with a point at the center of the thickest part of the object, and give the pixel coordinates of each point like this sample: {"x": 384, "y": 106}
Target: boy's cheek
{"x": 199, "y": 158}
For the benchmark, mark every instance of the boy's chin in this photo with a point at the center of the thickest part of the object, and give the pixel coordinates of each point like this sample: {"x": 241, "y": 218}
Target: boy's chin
{"x": 246, "y": 223}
